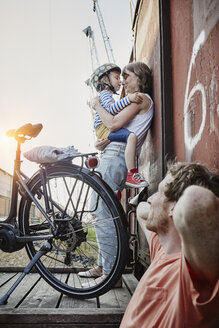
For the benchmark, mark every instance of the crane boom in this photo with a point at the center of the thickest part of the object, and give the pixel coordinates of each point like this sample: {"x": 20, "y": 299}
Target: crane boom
{"x": 106, "y": 39}
{"x": 93, "y": 49}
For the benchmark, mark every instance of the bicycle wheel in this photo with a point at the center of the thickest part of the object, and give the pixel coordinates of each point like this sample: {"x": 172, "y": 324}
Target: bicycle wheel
{"x": 74, "y": 198}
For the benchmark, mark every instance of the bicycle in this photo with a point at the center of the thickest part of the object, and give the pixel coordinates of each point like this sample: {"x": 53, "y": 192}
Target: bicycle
{"x": 56, "y": 221}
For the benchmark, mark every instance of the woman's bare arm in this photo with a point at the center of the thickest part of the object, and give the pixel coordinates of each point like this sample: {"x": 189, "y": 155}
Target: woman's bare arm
{"x": 116, "y": 122}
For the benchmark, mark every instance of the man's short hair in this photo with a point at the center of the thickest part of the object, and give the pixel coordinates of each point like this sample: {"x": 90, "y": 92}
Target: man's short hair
{"x": 187, "y": 174}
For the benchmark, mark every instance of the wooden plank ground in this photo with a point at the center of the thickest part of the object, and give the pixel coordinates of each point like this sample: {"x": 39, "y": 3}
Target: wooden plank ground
{"x": 35, "y": 304}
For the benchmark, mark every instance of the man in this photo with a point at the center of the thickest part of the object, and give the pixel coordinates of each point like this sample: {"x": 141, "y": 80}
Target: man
{"x": 181, "y": 286}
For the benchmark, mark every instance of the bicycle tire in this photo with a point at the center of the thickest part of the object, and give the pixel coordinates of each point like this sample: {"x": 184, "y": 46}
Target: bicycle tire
{"x": 76, "y": 249}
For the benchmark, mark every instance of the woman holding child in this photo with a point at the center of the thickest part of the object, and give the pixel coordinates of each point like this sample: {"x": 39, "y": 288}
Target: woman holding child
{"x": 135, "y": 118}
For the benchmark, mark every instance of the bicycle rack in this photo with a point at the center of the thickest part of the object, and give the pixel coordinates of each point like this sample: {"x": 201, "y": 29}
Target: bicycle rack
{"x": 43, "y": 250}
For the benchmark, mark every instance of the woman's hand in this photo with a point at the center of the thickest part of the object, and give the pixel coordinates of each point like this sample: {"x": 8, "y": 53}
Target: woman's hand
{"x": 95, "y": 102}
{"x": 100, "y": 144}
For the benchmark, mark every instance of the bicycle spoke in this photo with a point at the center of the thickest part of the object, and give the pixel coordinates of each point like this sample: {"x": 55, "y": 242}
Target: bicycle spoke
{"x": 75, "y": 208}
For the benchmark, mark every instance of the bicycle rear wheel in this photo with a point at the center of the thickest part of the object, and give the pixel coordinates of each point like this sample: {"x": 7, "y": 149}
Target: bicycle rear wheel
{"x": 74, "y": 198}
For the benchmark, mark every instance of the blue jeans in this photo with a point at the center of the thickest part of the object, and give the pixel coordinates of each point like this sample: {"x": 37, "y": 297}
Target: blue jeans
{"x": 113, "y": 170}
{"x": 120, "y": 135}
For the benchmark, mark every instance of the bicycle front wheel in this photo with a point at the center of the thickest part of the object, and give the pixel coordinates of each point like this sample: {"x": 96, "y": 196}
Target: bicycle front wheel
{"x": 88, "y": 229}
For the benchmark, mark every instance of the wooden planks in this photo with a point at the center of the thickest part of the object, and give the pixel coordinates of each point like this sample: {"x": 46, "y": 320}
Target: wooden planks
{"x": 61, "y": 318}
{"x": 35, "y": 304}
{"x": 21, "y": 291}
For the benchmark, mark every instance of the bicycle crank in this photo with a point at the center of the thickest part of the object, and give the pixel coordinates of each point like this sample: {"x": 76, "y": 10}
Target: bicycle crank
{"x": 8, "y": 239}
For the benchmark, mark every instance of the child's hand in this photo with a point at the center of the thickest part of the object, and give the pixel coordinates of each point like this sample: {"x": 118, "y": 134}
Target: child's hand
{"x": 135, "y": 97}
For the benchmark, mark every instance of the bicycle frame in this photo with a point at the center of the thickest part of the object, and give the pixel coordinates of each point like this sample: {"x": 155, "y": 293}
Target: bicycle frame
{"x": 19, "y": 181}
{"x": 57, "y": 224}
{"x": 19, "y": 185}
{"x": 14, "y": 199}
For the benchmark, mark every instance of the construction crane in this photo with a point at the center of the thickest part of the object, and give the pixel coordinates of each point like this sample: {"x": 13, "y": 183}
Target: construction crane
{"x": 93, "y": 49}
{"x": 106, "y": 40}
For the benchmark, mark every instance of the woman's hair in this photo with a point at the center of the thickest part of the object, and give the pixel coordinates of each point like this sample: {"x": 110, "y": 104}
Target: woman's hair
{"x": 187, "y": 174}
{"x": 143, "y": 72}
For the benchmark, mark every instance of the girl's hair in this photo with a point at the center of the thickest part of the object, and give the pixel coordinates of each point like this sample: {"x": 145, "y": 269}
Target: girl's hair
{"x": 102, "y": 84}
{"x": 143, "y": 72}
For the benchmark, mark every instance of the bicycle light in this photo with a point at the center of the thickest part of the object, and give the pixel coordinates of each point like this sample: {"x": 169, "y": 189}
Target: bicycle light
{"x": 118, "y": 194}
{"x": 92, "y": 162}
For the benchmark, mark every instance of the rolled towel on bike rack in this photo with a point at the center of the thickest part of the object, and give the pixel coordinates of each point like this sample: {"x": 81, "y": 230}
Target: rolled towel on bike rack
{"x": 50, "y": 154}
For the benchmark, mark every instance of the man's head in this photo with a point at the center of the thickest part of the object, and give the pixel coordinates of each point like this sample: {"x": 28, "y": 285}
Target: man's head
{"x": 178, "y": 178}
{"x": 187, "y": 174}
{"x": 160, "y": 207}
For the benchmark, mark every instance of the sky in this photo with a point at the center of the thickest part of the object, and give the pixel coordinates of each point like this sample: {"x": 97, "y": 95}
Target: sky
{"x": 44, "y": 63}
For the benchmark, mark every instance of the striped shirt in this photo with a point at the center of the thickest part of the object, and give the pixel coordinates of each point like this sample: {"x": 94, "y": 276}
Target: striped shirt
{"x": 110, "y": 105}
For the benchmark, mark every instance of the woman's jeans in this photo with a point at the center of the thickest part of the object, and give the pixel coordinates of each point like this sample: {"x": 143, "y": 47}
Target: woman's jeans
{"x": 113, "y": 170}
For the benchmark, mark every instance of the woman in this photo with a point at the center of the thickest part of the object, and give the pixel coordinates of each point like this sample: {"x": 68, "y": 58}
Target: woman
{"x": 136, "y": 118}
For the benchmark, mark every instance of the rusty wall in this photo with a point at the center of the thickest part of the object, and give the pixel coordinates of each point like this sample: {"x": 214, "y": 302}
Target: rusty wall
{"x": 194, "y": 59}
{"x": 147, "y": 49}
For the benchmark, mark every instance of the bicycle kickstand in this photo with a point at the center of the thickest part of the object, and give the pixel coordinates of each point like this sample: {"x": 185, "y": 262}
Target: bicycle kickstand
{"x": 43, "y": 250}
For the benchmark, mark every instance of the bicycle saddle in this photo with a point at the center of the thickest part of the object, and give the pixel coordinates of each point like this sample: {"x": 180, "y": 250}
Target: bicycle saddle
{"x": 26, "y": 130}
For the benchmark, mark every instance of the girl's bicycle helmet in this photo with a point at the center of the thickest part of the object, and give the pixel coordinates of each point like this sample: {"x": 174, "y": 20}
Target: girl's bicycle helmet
{"x": 102, "y": 70}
